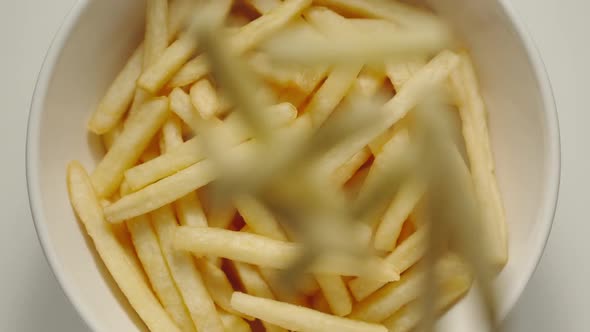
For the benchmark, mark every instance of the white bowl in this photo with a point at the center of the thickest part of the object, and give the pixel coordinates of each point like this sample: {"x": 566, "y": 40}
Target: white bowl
{"x": 97, "y": 38}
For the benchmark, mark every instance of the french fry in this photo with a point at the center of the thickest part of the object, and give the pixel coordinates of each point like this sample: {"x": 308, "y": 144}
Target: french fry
{"x": 233, "y": 323}
{"x": 389, "y": 299}
{"x": 319, "y": 303}
{"x": 149, "y": 252}
{"x": 191, "y": 152}
{"x": 404, "y": 202}
{"x": 371, "y": 26}
{"x": 179, "y": 11}
{"x": 299, "y": 80}
{"x": 129, "y": 146}
{"x": 259, "y": 219}
{"x": 449, "y": 291}
{"x": 402, "y": 258}
{"x": 400, "y": 72}
{"x": 394, "y": 149}
{"x": 171, "y": 134}
{"x": 221, "y": 217}
{"x": 477, "y": 142}
{"x": 247, "y": 38}
{"x": 174, "y": 57}
{"x": 340, "y": 79}
{"x": 298, "y": 318}
{"x": 386, "y": 301}
{"x": 368, "y": 83}
{"x": 266, "y": 25}
{"x": 156, "y": 30}
{"x": 331, "y": 93}
{"x": 171, "y": 188}
{"x": 281, "y": 294}
{"x": 265, "y": 252}
{"x": 190, "y": 211}
{"x": 425, "y": 80}
{"x": 114, "y": 104}
{"x": 129, "y": 279}
{"x": 262, "y": 222}
{"x": 253, "y": 283}
{"x": 217, "y": 284}
{"x": 109, "y": 138}
{"x": 349, "y": 46}
{"x": 188, "y": 208}
{"x": 188, "y": 279}
{"x": 336, "y": 294}
{"x": 394, "y": 11}
{"x": 205, "y": 99}
{"x": 190, "y": 72}
{"x": 264, "y": 6}
{"x": 155, "y": 42}
{"x": 348, "y": 169}
{"x": 151, "y": 151}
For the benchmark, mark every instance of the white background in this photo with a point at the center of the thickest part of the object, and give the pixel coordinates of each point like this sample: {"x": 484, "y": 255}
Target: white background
{"x": 556, "y": 299}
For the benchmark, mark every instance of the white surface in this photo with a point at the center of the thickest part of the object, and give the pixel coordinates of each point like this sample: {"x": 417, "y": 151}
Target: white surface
{"x": 555, "y": 300}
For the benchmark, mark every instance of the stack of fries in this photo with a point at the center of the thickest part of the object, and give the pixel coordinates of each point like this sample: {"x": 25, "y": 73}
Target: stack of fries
{"x": 294, "y": 165}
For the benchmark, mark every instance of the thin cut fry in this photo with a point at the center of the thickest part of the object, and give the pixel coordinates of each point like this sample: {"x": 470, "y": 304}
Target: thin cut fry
{"x": 149, "y": 252}
{"x": 389, "y": 299}
{"x": 169, "y": 189}
{"x": 114, "y": 104}
{"x": 109, "y": 138}
{"x": 477, "y": 142}
{"x": 192, "y": 152}
{"x": 393, "y": 150}
{"x": 349, "y": 46}
{"x": 370, "y": 26}
{"x": 394, "y": 11}
{"x": 126, "y": 275}
{"x": 262, "y": 222}
{"x": 400, "y": 72}
{"x": 331, "y": 93}
{"x": 233, "y": 323}
{"x": 188, "y": 279}
{"x": 264, "y": 252}
{"x": 188, "y": 208}
{"x": 205, "y": 99}
{"x": 217, "y": 285}
{"x": 155, "y": 43}
{"x": 340, "y": 79}
{"x": 128, "y": 148}
{"x": 179, "y": 11}
{"x": 271, "y": 277}
{"x": 347, "y": 170}
{"x": 156, "y": 32}
{"x": 264, "y": 6}
{"x": 221, "y": 217}
{"x": 450, "y": 289}
{"x": 402, "y": 258}
{"x": 253, "y": 283}
{"x": 259, "y": 219}
{"x": 336, "y": 294}
{"x": 289, "y": 76}
{"x": 368, "y": 82}
{"x": 404, "y": 202}
{"x": 425, "y": 80}
{"x": 247, "y": 38}
{"x": 297, "y": 318}
{"x": 175, "y": 56}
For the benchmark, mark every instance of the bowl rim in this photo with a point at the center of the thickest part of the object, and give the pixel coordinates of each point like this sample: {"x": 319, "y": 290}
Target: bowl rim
{"x": 552, "y": 176}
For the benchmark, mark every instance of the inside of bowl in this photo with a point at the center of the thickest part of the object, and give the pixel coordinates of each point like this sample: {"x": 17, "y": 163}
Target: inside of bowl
{"x": 106, "y": 33}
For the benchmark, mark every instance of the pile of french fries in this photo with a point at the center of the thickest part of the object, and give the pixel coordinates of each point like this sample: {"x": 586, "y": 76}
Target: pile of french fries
{"x": 298, "y": 165}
